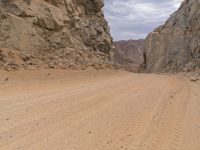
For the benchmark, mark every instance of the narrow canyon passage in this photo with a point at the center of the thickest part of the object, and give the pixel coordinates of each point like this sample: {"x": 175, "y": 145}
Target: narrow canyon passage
{"x": 104, "y": 110}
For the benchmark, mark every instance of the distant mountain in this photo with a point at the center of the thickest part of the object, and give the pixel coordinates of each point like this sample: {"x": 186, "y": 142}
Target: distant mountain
{"x": 129, "y": 54}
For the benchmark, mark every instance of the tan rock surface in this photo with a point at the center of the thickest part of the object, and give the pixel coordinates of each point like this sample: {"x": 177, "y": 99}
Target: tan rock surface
{"x": 55, "y": 33}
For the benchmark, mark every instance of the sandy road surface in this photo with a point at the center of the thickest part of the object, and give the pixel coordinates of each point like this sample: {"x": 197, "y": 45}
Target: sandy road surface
{"x": 105, "y": 110}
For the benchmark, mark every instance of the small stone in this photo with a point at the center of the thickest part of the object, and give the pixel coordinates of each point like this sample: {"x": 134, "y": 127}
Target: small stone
{"x": 6, "y": 79}
{"x": 51, "y": 65}
{"x": 11, "y": 66}
{"x": 195, "y": 78}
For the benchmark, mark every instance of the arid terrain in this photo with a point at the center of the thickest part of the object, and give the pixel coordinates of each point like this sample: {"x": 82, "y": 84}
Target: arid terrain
{"x": 98, "y": 110}
{"x": 52, "y": 98}
{"x": 130, "y": 54}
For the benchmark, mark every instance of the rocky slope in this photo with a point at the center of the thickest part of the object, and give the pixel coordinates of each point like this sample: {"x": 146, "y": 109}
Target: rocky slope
{"x": 176, "y": 45}
{"x": 53, "y": 34}
{"x": 129, "y": 54}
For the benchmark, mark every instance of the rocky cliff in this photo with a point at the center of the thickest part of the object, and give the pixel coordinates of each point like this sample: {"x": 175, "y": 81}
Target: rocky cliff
{"x": 175, "y": 46}
{"x": 129, "y": 54}
{"x": 53, "y": 34}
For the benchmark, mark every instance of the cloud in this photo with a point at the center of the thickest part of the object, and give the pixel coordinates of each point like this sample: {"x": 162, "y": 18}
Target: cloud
{"x": 134, "y": 19}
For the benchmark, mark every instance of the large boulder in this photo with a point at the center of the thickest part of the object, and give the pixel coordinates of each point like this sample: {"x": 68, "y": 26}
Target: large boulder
{"x": 175, "y": 46}
{"x": 60, "y": 32}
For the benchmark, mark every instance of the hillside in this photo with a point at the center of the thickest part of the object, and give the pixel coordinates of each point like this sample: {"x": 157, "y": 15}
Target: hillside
{"x": 53, "y": 34}
{"x": 175, "y": 46}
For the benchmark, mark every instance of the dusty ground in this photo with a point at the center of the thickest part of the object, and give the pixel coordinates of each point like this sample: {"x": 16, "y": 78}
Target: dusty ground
{"x": 105, "y": 110}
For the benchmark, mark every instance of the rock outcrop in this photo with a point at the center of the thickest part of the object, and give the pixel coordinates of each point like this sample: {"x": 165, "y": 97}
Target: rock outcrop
{"x": 175, "y": 46}
{"x": 129, "y": 54}
{"x": 53, "y": 34}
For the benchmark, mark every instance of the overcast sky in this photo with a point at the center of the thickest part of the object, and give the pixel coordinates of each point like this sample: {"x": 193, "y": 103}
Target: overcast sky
{"x": 134, "y": 19}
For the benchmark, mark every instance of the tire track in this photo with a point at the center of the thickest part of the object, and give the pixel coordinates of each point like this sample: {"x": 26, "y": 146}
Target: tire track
{"x": 165, "y": 131}
{"x": 123, "y": 112}
{"x": 61, "y": 113}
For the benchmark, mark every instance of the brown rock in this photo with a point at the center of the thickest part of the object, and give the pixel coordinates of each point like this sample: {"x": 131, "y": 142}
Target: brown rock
{"x": 11, "y": 66}
{"x": 6, "y": 79}
{"x": 129, "y": 54}
{"x": 195, "y": 77}
{"x": 61, "y": 28}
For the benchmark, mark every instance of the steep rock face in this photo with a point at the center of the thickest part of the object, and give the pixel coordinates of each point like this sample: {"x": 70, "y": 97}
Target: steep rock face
{"x": 175, "y": 46}
{"x": 53, "y": 34}
{"x": 129, "y": 54}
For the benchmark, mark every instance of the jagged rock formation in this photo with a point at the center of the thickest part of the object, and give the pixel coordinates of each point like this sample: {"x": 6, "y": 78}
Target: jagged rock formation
{"x": 175, "y": 46}
{"x": 129, "y": 54}
{"x": 53, "y": 34}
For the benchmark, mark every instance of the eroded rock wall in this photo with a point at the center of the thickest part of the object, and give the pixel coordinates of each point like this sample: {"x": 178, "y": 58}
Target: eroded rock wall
{"x": 54, "y": 34}
{"x": 175, "y": 46}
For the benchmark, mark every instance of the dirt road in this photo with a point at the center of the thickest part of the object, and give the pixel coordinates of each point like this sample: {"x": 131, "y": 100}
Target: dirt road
{"x": 105, "y": 110}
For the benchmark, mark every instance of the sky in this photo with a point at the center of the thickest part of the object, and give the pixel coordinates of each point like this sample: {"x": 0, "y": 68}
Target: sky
{"x": 134, "y": 19}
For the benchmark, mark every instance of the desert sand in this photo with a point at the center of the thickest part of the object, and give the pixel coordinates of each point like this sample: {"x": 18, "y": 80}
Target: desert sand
{"x": 98, "y": 110}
